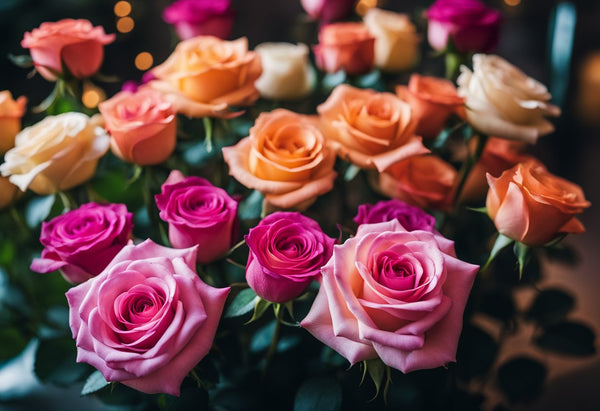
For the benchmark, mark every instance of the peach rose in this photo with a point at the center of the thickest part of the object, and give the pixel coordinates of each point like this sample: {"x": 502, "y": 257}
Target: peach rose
{"x": 8, "y": 192}
{"x": 58, "y": 153}
{"x": 345, "y": 46}
{"x": 285, "y": 157}
{"x": 502, "y": 101}
{"x": 368, "y": 128}
{"x": 396, "y": 39}
{"x": 75, "y": 43}
{"x": 426, "y": 181}
{"x": 433, "y": 100}
{"x": 533, "y": 206}
{"x": 205, "y": 75}
{"x": 142, "y": 126}
{"x": 11, "y": 112}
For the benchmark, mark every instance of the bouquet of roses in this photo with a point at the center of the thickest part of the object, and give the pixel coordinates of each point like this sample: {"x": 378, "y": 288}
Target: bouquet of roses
{"x": 242, "y": 230}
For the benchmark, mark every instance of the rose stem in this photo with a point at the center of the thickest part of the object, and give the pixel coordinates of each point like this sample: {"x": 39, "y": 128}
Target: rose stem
{"x": 467, "y": 166}
{"x": 274, "y": 342}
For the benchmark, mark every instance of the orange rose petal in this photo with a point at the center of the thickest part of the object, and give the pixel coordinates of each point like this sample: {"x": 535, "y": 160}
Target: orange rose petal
{"x": 573, "y": 226}
{"x": 512, "y": 218}
{"x": 308, "y": 191}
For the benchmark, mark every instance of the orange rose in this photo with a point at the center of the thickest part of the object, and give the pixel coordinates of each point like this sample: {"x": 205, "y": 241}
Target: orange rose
{"x": 432, "y": 100}
{"x": 345, "y": 46}
{"x": 368, "y": 128}
{"x": 8, "y": 192}
{"x": 425, "y": 181}
{"x": 75, "y": 43}
{"x": 285, "y": 157}
{"x": 142, "y": 126}
{"x": 533, "y": 206}
{"x": 11, "y": 112}
{"x": 205, "y": 75}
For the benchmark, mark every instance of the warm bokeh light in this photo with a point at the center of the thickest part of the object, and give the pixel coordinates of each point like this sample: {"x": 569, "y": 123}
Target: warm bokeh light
{"x": 92, "y": 95}
{"x": 125, "y": 24}
{"x": 588, "y": 94}
{"x": 122, "y": 8}
{"x": 512, "y": 2}
{"x": 144, "y": 60}
{"x": 365, "y": 5}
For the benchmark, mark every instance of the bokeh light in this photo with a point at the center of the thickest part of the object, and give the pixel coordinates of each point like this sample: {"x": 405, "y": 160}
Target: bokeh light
{"x": 125, "y": 24}
{"x": 143, "y": 61}
{"x": 122, "y": 8}
{"x": 365, "y": 5}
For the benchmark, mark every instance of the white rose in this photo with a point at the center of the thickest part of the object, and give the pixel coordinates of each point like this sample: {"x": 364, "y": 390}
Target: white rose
{"x": 504, "y": 102}
{"x": 396, "y": 39}
{"x": 287, "y": 74}
{"x": 55, "y": 154}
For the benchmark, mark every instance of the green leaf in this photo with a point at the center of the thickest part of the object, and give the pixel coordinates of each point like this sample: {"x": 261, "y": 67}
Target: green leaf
{"x": 568, "y": 338}
{"x": 521, "y": 378}
{"x": 94, "y": 383}
{"x": 13, "y": 342}
{"x": 259, "y": 309}
{"x": 501, "y": 242}
{"x": 251, "y": 207}
{"x": 442, "y": 138}
{"x": 351, "y": 172}
{"x": 482, "y": 210}
{"x": 371, "y": 80}
{"x": 319, "y": 393}
{"x": 7, "y": 252}
{"x": 38, "y": 209}
{"x": 331, "y": 80}
{"x": 55, "y": 362}
{"x": 523, "y": 254}
{"x": 550, "y": 306}
{"x": 242, "y": 304}
{"x": 23, "y": 60}
{"x": 377, "y": 371}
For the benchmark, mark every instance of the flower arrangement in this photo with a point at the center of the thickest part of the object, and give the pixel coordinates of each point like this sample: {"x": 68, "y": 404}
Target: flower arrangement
{"x": 277, "y": 229}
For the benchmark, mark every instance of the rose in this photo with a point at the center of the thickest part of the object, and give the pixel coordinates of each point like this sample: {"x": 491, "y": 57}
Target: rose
{"x": 425, "y": 181}
{"x": 198, "y": 213}
{"x": 470, "y": 25}
{"x": 8, "y": 192}
{"x": 55, "y": 154}
{"x": 285, "y": 157}
{"x": 412, "y": 218}
{"x": 142, "y": 126}
{"x": 75, "y": 43}
{"x": 147, "y": 319}
{"x": 193, "y": 18}
{"x": 432, "y": 100}
{"x": 81, "y": 242}
{"x": 11, "y": 112}
{"x": 530, "y": 205}
{"x": 287, "y": 74}
{"x": 287, "y": 251}
{"x": 396, "y": 40}
{"x": 205, "y": 75}
{"x": 368, "y": 128}
{"x": 392, "y": 294}
{"x": 504, "y": 102}
{"x": 327, "y": 10}
{"x": 345, "y": 46}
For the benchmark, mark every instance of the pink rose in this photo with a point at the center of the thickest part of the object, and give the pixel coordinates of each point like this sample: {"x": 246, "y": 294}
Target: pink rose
{"x": 287, "y": 251}
{"x": 193, "y": 18}
{"x": 198, "y": 213}
{"x": 147, "y": 319}
{"x": 75, "y": 43}
{"x": 411, "y": 217}
{"x": 82, "y": 242}
{"x": 469, "y": 23}
{"x": 392, "y": 294}
{"x": 327, "y": 10}
{"x": 345, "y": 46}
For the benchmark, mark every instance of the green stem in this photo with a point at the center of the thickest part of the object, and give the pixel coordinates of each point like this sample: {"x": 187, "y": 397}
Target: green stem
{"x": 208, "y": 128}
{"x": 19, "y": 220}
{"x": 273, "y": 345}
{"x": 67, "y": 201}
{"x": 468, "y": 166}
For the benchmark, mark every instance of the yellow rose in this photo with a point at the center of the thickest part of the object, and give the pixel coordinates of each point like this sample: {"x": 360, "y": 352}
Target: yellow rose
{"x": 503, "y": 101}
{"x": 55, "y": 154}
{"x": 396, "y": 39}
{"x": 11, "y": 112}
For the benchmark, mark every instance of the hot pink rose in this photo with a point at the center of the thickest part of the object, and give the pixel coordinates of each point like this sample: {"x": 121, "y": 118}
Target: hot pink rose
{"x": 287, "y": 251}
{"x": 411, "y": 217}
{"x": 327, "y": 10}
{"x": 82, "y": 242}
{"x": 392, "y": 294}
{"x": 75, "y": 43}
{"x": 147, "y": 319}
{"x": 469, "y": 23}
{"x": 193, "y": 18}
{"x": 198, "y": 213}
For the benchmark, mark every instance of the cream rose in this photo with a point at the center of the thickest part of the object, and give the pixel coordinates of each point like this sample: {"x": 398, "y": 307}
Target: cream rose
{"x": 287, "y": 74}
{"x": 396, "y": 39}
{"x": 55, "y": 154}
{"x": 503, "y": 101}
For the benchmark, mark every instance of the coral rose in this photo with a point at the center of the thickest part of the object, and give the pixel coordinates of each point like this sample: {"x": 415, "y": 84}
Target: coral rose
{"x": 192, "y": 18}
{"x": 502, "y": 101}
{"x": 75, "y": 43}
{"x": 285, "y": 157}
{"x": 368, "y": 128}
{"x": 345, "y": 46}
{"x": 147, "y": 319}
{"x": 392, "y": 294}
{"x": 11, "y": 112}
{"x": 142, "y": 126}
{"x": 205, "y": 76}
{"x": 533, "y": 206}
{"x": 8, "y": 192}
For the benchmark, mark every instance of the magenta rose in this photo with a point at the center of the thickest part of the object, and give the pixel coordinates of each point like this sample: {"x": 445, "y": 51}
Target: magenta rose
{"x": 471, "y": 25}
{"x": 193, "y": 18}
{"x": 198, "y": 213}
{"x": 411, "y": 217}
{"x": 82, "y": 242}
{"x": 328, "y": 10}
{"x": 287, "y": 251}
{"x": 392, "y": 294}
{"x": 147, "y": 319}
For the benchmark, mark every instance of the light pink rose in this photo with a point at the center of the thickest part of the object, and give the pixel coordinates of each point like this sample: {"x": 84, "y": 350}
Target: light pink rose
{"x": 345, "y": 46}
{"x": 147, "y": 319}
{"x": 392, "y": 294}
